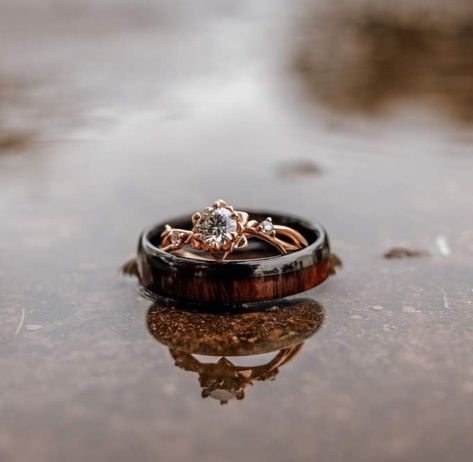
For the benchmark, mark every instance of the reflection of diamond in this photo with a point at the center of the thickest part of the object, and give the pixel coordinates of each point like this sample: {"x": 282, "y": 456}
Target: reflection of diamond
{"x": 267, "y": 227}
{"x": 221, "y": 394}
{"x": 217, "y": 225}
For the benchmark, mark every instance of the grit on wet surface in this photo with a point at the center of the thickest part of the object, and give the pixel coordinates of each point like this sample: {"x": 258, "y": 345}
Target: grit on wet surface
{"x": 114, "y": 116}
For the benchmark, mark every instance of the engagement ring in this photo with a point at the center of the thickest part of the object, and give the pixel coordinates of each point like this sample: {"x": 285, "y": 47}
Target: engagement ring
{"x": 220, "y": 229}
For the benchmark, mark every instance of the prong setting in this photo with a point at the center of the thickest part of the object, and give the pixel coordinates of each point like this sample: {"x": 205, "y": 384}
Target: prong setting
{"x": 220, "y": 229}
{"x": 267, "y": 227}
{"x": 217, "y": 229}
{"x": 196, "y": 217}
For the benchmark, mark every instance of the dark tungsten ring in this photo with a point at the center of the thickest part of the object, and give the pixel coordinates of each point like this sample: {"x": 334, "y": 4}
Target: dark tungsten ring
{"x": 240, "y": 280}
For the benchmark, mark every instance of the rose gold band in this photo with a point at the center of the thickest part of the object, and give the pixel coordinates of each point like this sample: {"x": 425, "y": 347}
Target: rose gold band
{"x": 220, "y": 229}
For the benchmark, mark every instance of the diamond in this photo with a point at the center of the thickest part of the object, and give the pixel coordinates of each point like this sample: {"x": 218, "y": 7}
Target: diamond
{"x": 267, "y": 226}
{"x": 217, "y": 226}
{"x": 176, "y": 238}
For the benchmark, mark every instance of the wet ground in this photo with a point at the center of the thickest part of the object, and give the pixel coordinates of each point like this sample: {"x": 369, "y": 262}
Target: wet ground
{"x": 115, "y": 116}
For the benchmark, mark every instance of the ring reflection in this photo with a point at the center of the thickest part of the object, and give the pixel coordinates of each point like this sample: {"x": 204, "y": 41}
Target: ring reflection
{"x": 276, "y": 330}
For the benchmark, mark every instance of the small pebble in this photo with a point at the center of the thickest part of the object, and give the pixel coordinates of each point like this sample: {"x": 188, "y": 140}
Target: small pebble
{"x": 409, "y": 309}
{"x": 403, "y": 252}
{"x": 33, "y": 327}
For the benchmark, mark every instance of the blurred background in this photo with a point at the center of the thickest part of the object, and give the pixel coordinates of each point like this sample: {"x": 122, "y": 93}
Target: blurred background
{"x": 118, "y": 114}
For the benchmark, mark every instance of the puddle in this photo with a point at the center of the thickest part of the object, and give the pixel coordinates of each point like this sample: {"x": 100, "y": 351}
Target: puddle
{"x": 132, "y": 123}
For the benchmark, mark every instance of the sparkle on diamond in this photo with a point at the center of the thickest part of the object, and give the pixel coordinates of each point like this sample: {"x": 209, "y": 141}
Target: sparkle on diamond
{"x": 217, "y": 225}
{"x": 267, "y": 226}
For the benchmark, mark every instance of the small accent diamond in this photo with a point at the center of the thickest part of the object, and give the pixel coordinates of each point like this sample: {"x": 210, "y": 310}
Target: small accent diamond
{"x": 176, "y": 238}
{"x": 267, "y": 226}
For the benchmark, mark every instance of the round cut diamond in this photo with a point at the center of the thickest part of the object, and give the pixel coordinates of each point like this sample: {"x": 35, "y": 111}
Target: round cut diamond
{"x": 267, "y": 227}
{"x": 217, "y": 225}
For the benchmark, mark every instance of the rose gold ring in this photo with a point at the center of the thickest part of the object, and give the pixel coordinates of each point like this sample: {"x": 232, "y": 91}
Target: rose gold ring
{"x": 220, "y": 229}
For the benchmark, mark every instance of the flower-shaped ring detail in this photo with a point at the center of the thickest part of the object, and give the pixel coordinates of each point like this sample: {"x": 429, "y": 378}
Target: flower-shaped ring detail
{"x": 220, "y": 229}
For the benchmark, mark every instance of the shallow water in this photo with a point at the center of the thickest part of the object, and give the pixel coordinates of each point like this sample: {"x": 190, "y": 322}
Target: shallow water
{"x": 122, "y": 115}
